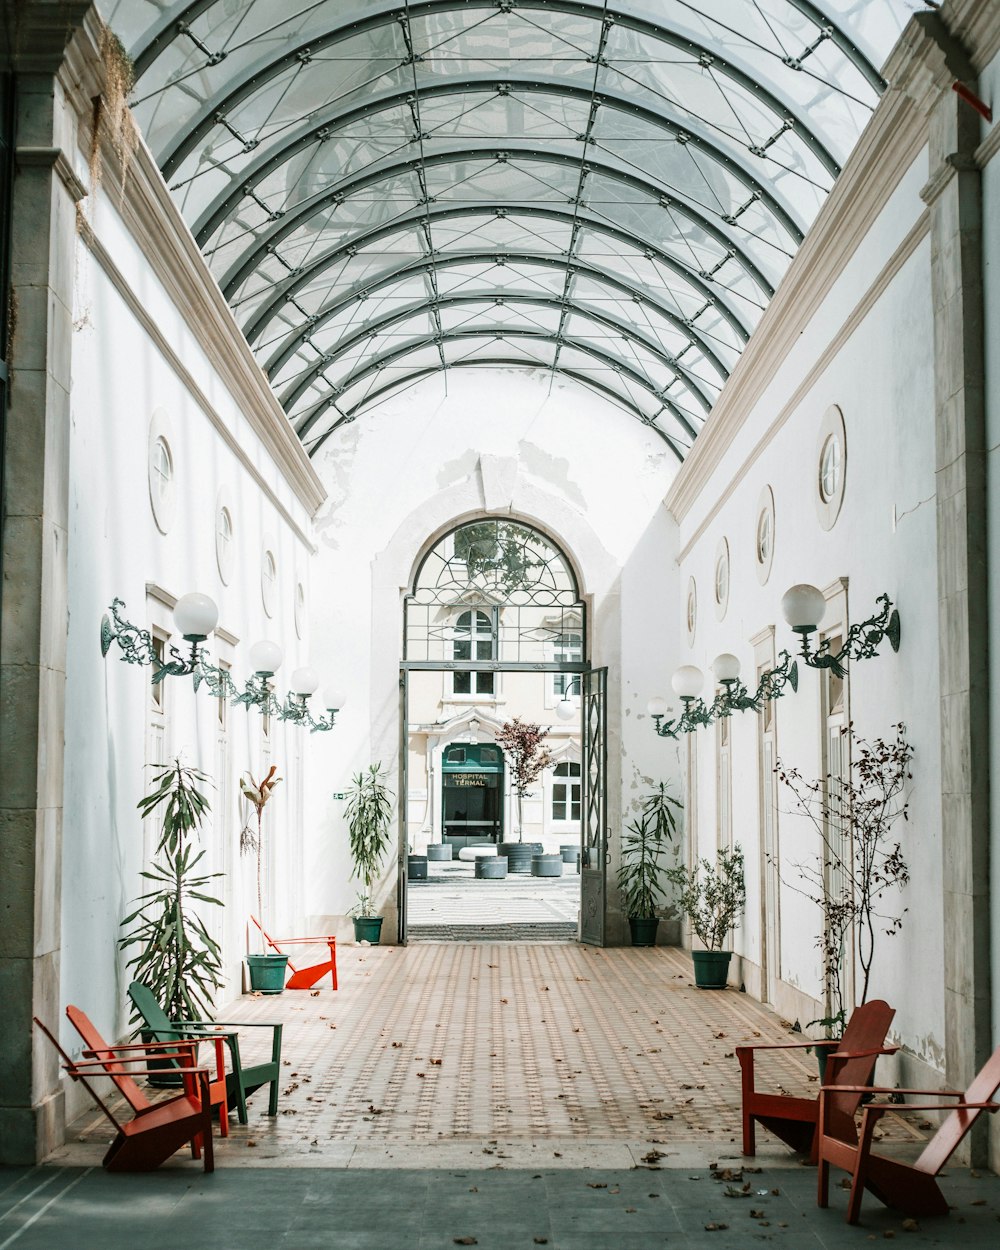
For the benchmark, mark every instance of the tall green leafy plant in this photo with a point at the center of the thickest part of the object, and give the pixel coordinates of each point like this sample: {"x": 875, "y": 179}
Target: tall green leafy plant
{"x": 644, "y": 844}
{"x": 368, "y": 813}
{"x": 175, "y": 955}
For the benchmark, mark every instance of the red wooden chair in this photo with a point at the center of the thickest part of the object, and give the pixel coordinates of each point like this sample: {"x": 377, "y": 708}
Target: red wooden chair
{"x": 157, "y": 1130}
{"x": 97, "y": 1048}
{"x": 304, "y": 978}
{"x": 910, "y": 1188}
{"x": 849, "y": 1062}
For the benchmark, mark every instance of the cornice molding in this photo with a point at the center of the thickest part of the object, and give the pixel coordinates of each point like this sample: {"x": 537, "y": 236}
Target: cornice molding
{"x": 888, "y": 147}
{"x": 52, "y": 158}
{"x": 977, "y": 24}
{"x": 140, "y": 195}
{"x": 33, "y": 36}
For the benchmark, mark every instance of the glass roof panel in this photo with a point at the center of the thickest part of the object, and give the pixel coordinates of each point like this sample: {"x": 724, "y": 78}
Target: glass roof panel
{"x": 633, "y": 176}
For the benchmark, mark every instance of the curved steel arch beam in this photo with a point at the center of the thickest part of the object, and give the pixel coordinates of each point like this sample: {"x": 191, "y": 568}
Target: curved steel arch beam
{"x": 415, "y": 345}
{"x": 304, "y": 379}
{"x": 290, "y": 344}
{"x": 487, "y": 361}
{"x": 265, "y": 69}
{"x": 267, "y": 241}
{"x": 542, "y": 260}
{"x": 230, "y": 198}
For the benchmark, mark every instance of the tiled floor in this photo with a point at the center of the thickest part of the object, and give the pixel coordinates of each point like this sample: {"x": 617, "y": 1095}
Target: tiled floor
{"x": 495, "y": 1095}
{"x": 476, "y": 1053}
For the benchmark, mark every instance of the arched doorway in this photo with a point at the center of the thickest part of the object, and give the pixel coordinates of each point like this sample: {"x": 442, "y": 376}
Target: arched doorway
{"x": 495, "y": 626}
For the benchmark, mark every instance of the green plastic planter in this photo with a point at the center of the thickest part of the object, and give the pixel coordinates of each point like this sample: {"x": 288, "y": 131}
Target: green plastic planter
{"x": 643, "y": 930}
{"x": 711, "y": 969}
{"x": 267, "y": 973}
{"x": 368, "y": 929}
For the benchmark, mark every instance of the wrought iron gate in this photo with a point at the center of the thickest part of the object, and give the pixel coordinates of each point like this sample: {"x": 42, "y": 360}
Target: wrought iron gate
{"x": 594, "y": 833}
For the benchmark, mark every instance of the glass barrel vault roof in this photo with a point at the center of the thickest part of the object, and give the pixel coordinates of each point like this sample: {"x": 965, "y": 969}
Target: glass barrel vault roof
{"x": 611, "y": 191}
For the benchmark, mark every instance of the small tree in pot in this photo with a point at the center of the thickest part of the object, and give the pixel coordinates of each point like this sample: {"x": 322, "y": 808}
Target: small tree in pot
{"x": 522, "y": 744}
{"x": 712, "y": 897}
{"x": 267, "y": 970}
{"x": 643, "y": 846}
{"x": 368, "y": 813}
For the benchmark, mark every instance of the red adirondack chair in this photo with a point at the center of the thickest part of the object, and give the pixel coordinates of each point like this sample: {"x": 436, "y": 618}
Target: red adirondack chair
{"x": 910, "y": 1188}
{"x": 849, "y": 1062}
{"x": 157, "y": 1130}
{"x": 97, "y": 1048}
{"x": 304, "y": 978}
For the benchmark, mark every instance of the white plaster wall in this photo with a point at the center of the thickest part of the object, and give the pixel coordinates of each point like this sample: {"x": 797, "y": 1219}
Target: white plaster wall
{"x": 590, "y": 475}
{"x": 115, "y": 549}
{"x": 884, "y": 540}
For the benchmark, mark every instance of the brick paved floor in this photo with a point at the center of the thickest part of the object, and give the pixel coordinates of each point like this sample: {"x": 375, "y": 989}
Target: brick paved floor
{"x": 502, "y": 1054}
{"x": 453, "y": 904}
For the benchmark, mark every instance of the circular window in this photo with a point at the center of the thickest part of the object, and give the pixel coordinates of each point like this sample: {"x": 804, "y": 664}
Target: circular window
{"x": 161, "y": 472}
{"x": 722, "y": 579}
{"x": 692, "y": 611}
{"x": 764, "y": 535}
{"x": 300, "y": 609}
{"x": 269, "y": 581}
{"x": 225, "y": 541}
{"x": 831, "y": 471}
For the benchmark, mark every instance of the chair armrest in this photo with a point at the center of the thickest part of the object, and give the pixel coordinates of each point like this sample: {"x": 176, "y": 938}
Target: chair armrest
{"x": 74, "y": 1068}
{"x": 103, "y": 1063}
{"x": 932, "y": 1106}
{"x": 833, "y": 1041}
{"x": 863, "y": 1054}
{"x": 236, "y": 1024}
{"x": 888, "y": 1089}
{"x": 112, "y": 1050}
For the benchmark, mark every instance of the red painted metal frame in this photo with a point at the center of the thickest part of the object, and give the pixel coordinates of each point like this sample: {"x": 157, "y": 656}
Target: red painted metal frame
{"x": 304, "y": 978}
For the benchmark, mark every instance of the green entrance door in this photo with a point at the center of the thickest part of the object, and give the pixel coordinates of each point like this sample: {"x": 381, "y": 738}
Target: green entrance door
{"x": 472, "y": 794}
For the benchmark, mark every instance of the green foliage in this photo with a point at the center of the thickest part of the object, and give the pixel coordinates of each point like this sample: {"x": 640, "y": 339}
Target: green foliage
{"x": 521, "y": 742}
{"x": 712, "y": 896}
{"x": 499, "y": 551}
{"x": 176, "y": 956}
{"x": 643, "y": 845}
{"x": 368, "y": 812}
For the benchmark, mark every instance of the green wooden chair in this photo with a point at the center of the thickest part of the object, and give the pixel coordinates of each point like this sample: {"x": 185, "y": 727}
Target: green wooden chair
{"x": 242, "y": 1081}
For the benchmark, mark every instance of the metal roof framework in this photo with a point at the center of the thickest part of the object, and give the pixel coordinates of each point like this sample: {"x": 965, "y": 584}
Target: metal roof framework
{"x": 608, "y": 191}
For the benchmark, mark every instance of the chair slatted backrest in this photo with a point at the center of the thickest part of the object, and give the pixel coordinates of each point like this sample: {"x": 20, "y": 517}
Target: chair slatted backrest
{"x": 953, "y": 1128}
{"x": 77, "y": 1075}
{"x": 272, "y": 942}
{"x": 115, "y": 1069}
{"x": 865, "y": 1032}
{"x": 153, "y": 1015}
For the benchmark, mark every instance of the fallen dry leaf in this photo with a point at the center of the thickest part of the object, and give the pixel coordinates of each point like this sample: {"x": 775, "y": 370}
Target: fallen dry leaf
{"x": 314, "y": 993}
{"x": 715, "y": 1228}
{"x": 597, "y": 1185}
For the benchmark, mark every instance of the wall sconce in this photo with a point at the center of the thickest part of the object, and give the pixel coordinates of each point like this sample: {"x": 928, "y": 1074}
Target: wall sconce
{"x": 734, "y": 697}
{"x": 304, "y": 683}
{"x": 195, "y": 617}
{"x": 803, "y": 607}
{"x": 566, "y": 709}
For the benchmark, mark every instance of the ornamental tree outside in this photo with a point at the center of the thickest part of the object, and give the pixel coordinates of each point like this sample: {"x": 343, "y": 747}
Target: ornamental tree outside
{"x": 521, "y": 741}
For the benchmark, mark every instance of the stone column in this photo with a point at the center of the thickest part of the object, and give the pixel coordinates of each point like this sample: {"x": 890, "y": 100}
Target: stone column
{"x": 34, "y": 607}
{"x": 953, "y": 195}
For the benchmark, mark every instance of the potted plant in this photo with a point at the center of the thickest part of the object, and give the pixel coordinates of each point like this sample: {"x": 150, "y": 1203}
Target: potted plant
{"x": 267, "y": 968}
{"x": 522, "y": 744}
{"x": 858, "y": 862}
{"x": 643, "y": 845}
{"x": 712, "y": 896}
{"x": 368, "y": 811}
{"x": 177, "y": 957}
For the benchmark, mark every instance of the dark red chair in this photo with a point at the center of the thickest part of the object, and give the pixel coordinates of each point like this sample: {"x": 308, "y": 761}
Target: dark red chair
{"x": 907, "y": 1187}
{"x": 850, "y": 1060}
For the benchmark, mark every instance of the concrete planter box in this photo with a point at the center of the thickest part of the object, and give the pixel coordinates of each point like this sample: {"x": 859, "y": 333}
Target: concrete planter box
{"x": 546, "y": 865}
{"x": 520, "y": 854}
{"x": 439, "y": 853}
{"x": 493, "y": 869}
{"x": 416, "y": 867}
{"x": 570, "y": 852}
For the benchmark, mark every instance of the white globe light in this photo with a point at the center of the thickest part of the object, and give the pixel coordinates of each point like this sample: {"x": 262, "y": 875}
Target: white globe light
{"x": 657, "y": 706}
{"x": 726, "y": 667}
{"x": 803, "y": 607}
{"x": 566, "y": 709}
{"x": 195, "y": 615}
{"x": 305, "y": 680}
{"x": 334, "y": 698}
{"x": 265, "y": 657}
{"x": 687, "y": 682}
